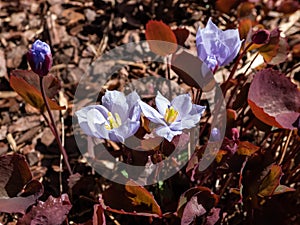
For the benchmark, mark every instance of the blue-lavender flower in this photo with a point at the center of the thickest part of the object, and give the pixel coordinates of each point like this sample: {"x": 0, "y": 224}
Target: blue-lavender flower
{"x": 116, "y": 119}
{"x": 40, "y": 58}
{"x": 216, "y": 47}
{"x": 172, "y": 117}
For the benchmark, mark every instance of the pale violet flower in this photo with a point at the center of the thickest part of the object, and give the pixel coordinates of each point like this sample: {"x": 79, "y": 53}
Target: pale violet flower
{"x": 116, "y": 119}
{"x": 216, "y": 47}
{"x": 173, "y": 116}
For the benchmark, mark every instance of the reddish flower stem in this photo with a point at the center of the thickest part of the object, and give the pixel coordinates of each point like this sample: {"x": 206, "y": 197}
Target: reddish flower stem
{"x": 53, "y": 127}
{"x": 235, "y": 68}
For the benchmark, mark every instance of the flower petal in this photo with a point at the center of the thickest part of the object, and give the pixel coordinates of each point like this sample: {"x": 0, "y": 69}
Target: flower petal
{"x": 232, "y": 39}
{"x": 115, "y": 102}
{"x": 116, "y": 138}
{"x": 92, "y": 120}
{"x": 96, "y": 123}
{"x": 132, "y": 99}
{"x": 161, "y": 103}
{"x": 126, "y": 130}
{"x": 189, "y": 120}
{"x": 183, "y": 124}
{"x": 182, "y": 104}
{"x": 166, "y": 132}
{"x": 151, "y": 113}
{"x": 197, "y": 109}
{"x": 133, "y": 107}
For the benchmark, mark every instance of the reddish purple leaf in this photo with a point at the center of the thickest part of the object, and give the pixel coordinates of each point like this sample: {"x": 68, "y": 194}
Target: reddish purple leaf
{"x": 274, "y": 99}
{"x": 192, "y": 71}
{"x": 29, "y": 91}
{"x": 191, "y": 211}
{"x": 51, "y": 83}
{"x": 213, "y": 217}
{"x": 52, "y": 212}
{"x": 181, "y": 35}
{"x": 99, "y": 217}
{"x": 204, "y": 195}
{"x": 15, "y": 174}
{"x": 16, "y": 180}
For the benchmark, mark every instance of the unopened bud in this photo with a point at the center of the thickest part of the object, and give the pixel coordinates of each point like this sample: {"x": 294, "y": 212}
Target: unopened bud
{"x": 40, "y": 58}
{"x": 261, "y": 37}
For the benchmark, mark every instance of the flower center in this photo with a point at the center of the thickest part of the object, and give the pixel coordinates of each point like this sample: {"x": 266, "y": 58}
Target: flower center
{"x": 114, "y": 121}
{"x": 170, "y": 115}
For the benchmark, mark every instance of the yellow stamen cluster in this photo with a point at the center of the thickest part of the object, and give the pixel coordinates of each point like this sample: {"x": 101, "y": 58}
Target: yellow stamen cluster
{"x": 170, "y": 115}
{"x": 114, "y": 121}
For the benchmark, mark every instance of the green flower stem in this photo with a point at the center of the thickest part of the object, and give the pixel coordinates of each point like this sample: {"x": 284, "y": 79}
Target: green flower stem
{"x": 234, "y": 68}
{"x": 53, "y": 127}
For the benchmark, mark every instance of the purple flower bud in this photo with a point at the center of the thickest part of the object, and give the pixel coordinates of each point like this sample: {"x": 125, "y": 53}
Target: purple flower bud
{"x": 215, "y": 134}
{"x": 40, "y": 58}
{"x": 261, "y": 37}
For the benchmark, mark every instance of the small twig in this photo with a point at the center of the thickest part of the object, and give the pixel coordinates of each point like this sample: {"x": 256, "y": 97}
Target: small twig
{"x": 53, "y": 127}
{"x": 168, "y": 68}
{"x": 230, "y": 176}
{"x": 285, "y": 147}
{"x": 61, "y": 156}
{"x": 294, "y": 67}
